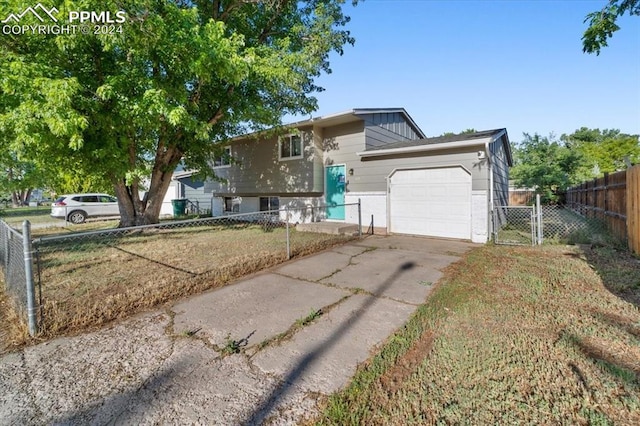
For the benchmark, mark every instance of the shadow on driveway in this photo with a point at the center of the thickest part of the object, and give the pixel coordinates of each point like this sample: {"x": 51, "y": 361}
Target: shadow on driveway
{"x": 262, "y": 411}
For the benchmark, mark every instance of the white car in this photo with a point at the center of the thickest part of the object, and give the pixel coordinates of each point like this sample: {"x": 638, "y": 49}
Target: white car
{"x": 76, "y": 208}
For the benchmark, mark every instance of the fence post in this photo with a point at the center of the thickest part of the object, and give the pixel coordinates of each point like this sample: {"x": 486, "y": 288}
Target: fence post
{"x": 606, "y": 204}
{"x": 359, "y": 219}
{"x": 6, "y": 249}
{"x": 539, "y": 217}
{"x": 286, "y": 210}
{"x": 28, "y": 273}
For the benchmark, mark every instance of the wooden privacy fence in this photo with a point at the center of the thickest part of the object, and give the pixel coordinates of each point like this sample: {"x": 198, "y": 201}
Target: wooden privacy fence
{"x": 522, "y": 197}
{"x": 614, "y": 199}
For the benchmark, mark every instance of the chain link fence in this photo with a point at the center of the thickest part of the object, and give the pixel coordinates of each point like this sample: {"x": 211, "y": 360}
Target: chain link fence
{"x": 12, "y": 265}
{"x": 560, "y": 224}
{"x": 553, "y": 224}
{"x": 89, "y": 278}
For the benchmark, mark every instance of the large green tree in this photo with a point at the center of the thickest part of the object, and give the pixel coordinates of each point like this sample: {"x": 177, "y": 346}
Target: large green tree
{"x": 602, "y": 23}
{"x": 546, "y": 165}
{"x": 170, "y": 84}
{"x": 17, "y": 178}
{"x": 603, "y": 151}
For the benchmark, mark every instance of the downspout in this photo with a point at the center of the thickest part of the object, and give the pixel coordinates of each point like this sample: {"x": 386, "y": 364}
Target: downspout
{"x": 490, "y": 224}
{"x": 388, "y": 198}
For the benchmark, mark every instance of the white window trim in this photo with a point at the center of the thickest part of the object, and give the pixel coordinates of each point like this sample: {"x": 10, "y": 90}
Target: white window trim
{"x": 288, "y": 137}
{"x": 227, "y": 149}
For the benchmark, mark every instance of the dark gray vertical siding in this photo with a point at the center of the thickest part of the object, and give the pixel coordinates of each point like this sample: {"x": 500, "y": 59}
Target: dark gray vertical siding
{"x": 500, "y": 172}
{"x": 258, "y": 169}
{"x": 384, "y": 128}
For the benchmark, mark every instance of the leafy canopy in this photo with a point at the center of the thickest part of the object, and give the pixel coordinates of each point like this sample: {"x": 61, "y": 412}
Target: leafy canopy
{"x": 603, "y": 151}
{"x": 551, "y": 165}
{"x": 602, "y": 23}
{"x": 546, "y": 165}
{"x": 180, "y": 78}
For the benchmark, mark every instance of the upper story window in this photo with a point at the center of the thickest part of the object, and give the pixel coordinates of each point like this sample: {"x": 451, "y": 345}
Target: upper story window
{"x": 223, "y": 160}
{"x": 290, "y": 147}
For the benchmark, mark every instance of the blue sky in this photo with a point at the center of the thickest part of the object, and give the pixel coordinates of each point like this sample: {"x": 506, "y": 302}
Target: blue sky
{"x": 487, "y": 64}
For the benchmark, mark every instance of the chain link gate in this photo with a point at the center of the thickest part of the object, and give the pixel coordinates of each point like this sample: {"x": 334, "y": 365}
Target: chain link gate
{"x": 531, "y": 225}
{"x": 514, "y": 225}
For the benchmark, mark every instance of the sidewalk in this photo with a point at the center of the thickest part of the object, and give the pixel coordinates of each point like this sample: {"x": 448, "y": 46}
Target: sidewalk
{"x": 241, "y": 354}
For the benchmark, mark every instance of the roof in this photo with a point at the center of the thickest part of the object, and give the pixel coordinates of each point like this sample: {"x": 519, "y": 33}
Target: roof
{"x": 462, "y": 140}
{"x": 343, "y": 117}
{"x": 440, "y": 139}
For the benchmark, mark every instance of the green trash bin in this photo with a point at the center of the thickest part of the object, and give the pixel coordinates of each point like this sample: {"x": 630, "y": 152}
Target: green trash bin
{"x": 179, "y": 207}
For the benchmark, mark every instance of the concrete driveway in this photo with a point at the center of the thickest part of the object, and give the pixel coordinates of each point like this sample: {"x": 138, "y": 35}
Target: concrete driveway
{"x": 241, "y": 354}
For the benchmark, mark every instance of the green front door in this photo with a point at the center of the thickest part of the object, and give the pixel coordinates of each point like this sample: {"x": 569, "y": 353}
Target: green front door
{"x": 335, "y": 183}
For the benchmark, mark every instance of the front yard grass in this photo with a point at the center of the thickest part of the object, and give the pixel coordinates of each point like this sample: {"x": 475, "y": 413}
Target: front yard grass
{"x": 90, "y": 282}
{"x": 511, "y": 335}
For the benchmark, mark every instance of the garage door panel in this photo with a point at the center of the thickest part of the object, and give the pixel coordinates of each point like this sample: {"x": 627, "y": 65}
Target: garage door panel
{"x": 432, "y": 202}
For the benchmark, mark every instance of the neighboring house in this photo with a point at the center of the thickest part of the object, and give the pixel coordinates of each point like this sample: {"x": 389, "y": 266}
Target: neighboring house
{"x": 407, "y": 183}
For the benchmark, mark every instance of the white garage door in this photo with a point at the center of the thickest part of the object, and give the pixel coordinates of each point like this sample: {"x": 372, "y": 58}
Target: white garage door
{"x": 433, "y": 202}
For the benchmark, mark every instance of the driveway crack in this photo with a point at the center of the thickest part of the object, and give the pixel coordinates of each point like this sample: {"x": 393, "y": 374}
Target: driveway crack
{"x": 293, "y": 329}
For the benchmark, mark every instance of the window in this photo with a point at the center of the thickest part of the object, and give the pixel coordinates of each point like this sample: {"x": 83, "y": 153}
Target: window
{"x": 223, "y": 160}
{"x": 269, "y": 203}
{"x": 232, "y": 204}
{"x": 107, "y": 199}
{"x": 290, "y": 147}
{"x": 86, "y": 198}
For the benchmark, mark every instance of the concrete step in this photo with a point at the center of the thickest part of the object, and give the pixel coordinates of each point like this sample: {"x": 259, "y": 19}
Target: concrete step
{"x": 336, "y": 228}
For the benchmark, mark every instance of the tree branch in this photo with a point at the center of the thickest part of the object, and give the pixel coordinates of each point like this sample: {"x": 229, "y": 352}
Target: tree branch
{"x": 220, "y": 112}
{"x": 266, "y": 31}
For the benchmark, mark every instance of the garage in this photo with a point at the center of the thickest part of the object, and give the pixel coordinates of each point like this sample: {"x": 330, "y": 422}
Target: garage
{"x": 434, "y": 202}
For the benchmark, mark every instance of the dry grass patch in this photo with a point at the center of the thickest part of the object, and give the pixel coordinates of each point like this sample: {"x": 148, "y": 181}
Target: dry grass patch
{"x": 13, "y": 331}
{"x": 88, "y": 283}
{"x": 511, "y": 335}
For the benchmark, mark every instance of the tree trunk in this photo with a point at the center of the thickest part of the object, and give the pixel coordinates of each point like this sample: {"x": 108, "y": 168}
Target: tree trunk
{"x": 21, "y": 197}
{"x": 15, "y": 199}
{"x": 135, "y": 211}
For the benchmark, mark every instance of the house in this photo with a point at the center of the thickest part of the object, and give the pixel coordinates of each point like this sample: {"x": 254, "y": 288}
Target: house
{"x": 407, "y": 183}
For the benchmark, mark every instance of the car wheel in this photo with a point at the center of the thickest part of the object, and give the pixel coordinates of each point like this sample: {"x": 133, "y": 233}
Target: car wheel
{"x": 77, "y": 216}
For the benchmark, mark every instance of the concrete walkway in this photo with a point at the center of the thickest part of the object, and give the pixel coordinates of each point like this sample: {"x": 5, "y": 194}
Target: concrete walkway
{"x": 236, "y": 355}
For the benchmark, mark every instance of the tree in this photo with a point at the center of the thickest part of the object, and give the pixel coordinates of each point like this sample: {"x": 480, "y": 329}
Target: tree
{"x": 17, "y": 178}
{"x": 464, "y": 132}
{"x": 171, "y": 84}
{"x": 603, "y": 151}
{"x": 546, "y": 165}
{"x": 602, "y": 23}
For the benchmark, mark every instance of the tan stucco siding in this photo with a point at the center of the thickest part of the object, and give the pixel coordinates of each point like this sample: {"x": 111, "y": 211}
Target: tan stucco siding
{"x": 341, "y": 143}
{"x": 259, "y": 170}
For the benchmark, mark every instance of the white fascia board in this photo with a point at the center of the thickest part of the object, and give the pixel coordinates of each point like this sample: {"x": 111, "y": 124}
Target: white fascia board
{"x": 183, "y": 174}
{"x": 428, "y": 147}
{"x": 333, "y": 115}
